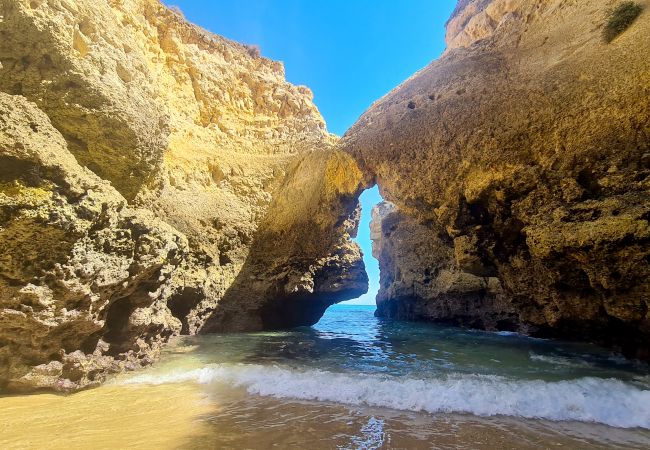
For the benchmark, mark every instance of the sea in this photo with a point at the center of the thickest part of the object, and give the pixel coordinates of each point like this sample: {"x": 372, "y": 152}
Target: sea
{"x": 352, "y": 381}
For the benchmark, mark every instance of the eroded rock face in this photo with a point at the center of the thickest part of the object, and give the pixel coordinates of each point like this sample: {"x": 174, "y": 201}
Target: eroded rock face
{"x": 314, "y": 214}
{"x": 81, "y": 272}
{"x": 101, "y": 101}
{"x": 519, "y": 164}
{"x": 420, "y": 279}
{"x": 218, "y": 200}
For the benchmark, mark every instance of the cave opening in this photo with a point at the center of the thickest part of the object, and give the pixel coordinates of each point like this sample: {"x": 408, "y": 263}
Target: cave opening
{"x": 368, "y": 200}
{"x": 354, "y": 319}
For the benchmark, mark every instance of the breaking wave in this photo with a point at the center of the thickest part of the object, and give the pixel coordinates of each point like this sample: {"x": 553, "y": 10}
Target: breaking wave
{"x": 607, "y": 401}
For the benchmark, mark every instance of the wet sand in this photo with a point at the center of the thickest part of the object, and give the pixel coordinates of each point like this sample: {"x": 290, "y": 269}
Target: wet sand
{"x": 109, "y": 417}
{"x": 190, "y": 416}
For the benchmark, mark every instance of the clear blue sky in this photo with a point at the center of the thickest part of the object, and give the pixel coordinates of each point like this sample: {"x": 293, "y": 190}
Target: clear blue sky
{"x": 368, "y": 199}
{"x": 349, "y": 52}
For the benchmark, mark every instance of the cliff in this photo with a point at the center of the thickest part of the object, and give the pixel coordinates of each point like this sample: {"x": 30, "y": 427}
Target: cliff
{"x": 84, "y": 276}
{"x": 518, "y": 165}
{"x": 156, "y": 179}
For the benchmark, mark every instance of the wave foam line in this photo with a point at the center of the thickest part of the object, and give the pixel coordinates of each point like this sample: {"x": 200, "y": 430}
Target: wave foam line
{"x": 607, "y": 401}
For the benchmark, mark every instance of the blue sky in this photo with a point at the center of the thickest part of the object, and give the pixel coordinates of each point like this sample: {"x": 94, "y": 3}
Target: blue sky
{"x": 349, "y": 52}
{"x": 368, "y": 199}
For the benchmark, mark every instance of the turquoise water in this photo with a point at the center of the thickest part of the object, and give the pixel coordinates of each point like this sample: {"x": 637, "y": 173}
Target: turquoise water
{"x": 353, "y": 365}
{"x": 433, "y": 368}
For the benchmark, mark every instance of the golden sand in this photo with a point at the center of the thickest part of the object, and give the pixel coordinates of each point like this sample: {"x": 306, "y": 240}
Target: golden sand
{"x": 110, "y": 417}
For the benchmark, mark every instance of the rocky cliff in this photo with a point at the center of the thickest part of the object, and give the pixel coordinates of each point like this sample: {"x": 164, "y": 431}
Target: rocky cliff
{"x": 519, "y": 169}
{"x": 156, "y": 179}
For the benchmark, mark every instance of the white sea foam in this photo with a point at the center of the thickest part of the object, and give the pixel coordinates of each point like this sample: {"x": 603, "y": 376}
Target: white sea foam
{"x": 372, "y": 436}
{"x": 509, "y": 333}
{"x": 607, "y": 401}
{"x": 560, "y": 360}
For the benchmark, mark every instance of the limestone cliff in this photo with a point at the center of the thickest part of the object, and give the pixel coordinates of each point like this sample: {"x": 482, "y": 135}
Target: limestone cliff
{"x": 420, "y": 278}
{"x": 156, "y": 177}
{"x": 82, "y": 273}
{"x": 519, "y": 167}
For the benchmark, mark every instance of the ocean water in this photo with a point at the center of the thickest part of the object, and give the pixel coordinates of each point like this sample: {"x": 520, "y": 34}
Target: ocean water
{"x": 354, "y": 381}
